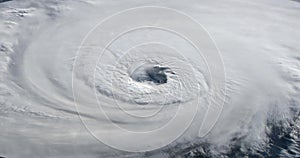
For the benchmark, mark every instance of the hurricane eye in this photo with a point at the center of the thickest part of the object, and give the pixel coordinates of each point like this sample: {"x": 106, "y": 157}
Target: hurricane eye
{"x": 150, "y": 74}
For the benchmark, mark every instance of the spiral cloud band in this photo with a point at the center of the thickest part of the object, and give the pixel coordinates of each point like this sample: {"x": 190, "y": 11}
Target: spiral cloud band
{"x": 79, "y": 78}
{"x": 134, "y": 72}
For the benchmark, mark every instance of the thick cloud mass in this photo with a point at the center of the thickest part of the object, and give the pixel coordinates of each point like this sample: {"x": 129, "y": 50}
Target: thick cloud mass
{"x": 39, "y": 61}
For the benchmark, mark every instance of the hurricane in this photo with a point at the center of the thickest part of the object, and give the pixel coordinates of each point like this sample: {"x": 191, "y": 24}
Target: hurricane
{"x": 95, "y": 78}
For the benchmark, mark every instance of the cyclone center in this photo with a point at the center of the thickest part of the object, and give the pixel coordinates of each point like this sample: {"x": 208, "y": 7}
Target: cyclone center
{"x": 153, "y": 74}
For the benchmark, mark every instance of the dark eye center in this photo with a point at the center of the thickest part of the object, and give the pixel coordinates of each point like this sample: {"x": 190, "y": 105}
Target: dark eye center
{"x": 154, "y": 74}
